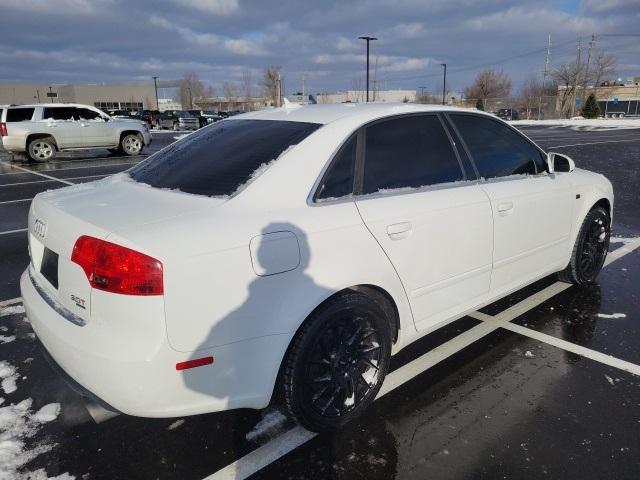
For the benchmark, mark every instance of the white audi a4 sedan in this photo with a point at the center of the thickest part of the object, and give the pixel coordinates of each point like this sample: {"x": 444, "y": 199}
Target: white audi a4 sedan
{"x": 288, "y": 253}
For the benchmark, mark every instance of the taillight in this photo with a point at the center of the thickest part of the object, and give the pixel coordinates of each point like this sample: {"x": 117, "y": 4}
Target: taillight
{"x": 3, "y": 130}
{"x": 117, "y": 269}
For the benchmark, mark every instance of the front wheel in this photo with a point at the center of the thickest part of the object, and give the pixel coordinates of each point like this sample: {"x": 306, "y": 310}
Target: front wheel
{"x": 337, "y": 362}
{"x": 590, "y": 249}
{"x": 131, "y": 144}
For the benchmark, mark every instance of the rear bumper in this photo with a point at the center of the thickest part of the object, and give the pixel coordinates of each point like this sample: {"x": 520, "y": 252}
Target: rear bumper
{"x": 14, "y": 143}
{"x": 242, "y": 375}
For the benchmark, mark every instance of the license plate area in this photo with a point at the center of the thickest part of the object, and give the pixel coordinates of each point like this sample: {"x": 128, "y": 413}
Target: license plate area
{"x": 49, "y": 267}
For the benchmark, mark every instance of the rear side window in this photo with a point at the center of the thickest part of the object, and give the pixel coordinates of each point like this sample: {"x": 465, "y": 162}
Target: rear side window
{"x": 60, "y": 113}
{"x": 218, "y": 159}
{"x": 338, "y": 182}
{"x": 497, "y": 150}
{"x": 19, "y": 114}
{"x": 411, "y": 152}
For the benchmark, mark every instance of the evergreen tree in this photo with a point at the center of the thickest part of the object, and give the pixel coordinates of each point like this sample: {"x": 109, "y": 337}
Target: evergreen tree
{"x": 591, "y": 108}
{"x": 480, "y": 104}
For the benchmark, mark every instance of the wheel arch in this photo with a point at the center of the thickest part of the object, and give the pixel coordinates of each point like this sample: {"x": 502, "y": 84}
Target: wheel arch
{"x": 35, "y": 136}
{"x": 375, "y": 292}
{"x": 124, "y": 133}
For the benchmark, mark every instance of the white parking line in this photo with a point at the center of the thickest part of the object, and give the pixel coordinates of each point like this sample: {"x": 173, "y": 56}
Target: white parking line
{"x": 6, "y": 164}
{"x": 17, "y": 201}
{"x": 593, "y": 143}
{"x": 7, "y": 232}
{"x": 11, "y": 301}
{"x": 44, "y": 181}
{"x": 290, "y": 440}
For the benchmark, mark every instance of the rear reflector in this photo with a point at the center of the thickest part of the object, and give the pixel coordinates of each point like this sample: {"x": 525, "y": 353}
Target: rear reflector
{"x": 197, "y": 362}
{"x": 117, "y": 269}
{"x": 3, "y": 129}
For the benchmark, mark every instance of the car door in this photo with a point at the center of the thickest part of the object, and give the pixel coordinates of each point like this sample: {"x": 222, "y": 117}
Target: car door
{"x": 531, "y": 208}
{"x": 96, "y": 131}
{"x": 62, "y": 124}
{"x": 433, "y": 222}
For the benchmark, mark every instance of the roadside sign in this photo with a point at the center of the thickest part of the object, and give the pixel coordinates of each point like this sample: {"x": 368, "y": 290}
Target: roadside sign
{"x": 52, "y": 94}
{"x": 578, "y": 102}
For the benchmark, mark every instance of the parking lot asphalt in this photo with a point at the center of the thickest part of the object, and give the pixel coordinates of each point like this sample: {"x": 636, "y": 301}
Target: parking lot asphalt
{"x": 544, "y": 383}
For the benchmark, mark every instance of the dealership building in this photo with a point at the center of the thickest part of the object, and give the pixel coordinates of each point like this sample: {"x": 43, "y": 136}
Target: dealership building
{"x": 107, "y": 97}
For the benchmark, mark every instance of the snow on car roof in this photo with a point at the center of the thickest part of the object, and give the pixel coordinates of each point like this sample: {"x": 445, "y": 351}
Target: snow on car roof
{"x": 327, "y": 113}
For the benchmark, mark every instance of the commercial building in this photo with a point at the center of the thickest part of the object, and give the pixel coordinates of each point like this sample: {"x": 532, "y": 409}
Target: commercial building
{"x": 361, "y": 95}
{"x": 107, "y": 97}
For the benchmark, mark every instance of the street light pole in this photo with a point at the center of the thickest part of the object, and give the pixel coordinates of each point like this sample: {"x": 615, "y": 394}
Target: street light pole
{"x": 155, "y": 85}
{"x": 444, "y": 84}
{"x": 368, "y": 39}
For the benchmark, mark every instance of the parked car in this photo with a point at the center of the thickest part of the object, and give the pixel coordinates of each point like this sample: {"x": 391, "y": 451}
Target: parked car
{"x": 211, "y": 116}
{"x": 166, "y": 120}
{"x": 289, "y": 252}
{"x": 186, "y": 120}
{"x": 40, "y": 131}
{"x": 202, "y": 120}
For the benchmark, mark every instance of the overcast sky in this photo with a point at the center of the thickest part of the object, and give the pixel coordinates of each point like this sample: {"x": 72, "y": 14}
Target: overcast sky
{"x": 124, "y": 41}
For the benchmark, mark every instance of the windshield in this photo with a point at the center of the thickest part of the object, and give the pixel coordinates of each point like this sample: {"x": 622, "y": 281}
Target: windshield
{"x": 218, "y": 159}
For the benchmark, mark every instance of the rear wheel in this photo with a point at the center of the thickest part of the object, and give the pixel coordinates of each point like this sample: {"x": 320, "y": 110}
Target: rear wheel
{"x": 42, "y": 149}
{"x": 590, "y": 249}
{"x": 337, "y": 362}
{"x": 131, "y": 144}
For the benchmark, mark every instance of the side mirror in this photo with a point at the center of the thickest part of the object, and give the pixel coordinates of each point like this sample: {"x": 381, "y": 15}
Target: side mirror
{"x": 559, "y": 163}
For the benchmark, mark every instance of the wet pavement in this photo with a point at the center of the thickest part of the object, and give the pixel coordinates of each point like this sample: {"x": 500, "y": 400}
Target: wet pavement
{"x": 490, "y": 402}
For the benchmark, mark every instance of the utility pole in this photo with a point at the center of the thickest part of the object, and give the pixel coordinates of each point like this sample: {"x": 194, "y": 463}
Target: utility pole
{"x": 422, "y": 93}
{"x": 544, "y": 77}
{"x": 279, "y": 93}
{"x": 444, "y": 84}
{"x": 51, "y": 93}
{"x": 155, "y": 85}
{"x": 367, "y": 39}
{"x": 304, "y": 76}
{"x": 586, "y": 71}
{"x": 576, "y": 80}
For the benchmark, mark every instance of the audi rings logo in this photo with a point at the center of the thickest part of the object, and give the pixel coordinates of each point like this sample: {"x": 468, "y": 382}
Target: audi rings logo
{"x": 40, "y": 228}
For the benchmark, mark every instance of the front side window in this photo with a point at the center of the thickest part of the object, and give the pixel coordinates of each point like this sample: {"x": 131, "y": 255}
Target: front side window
{"x": 496, "y": 149}
{"x": 216, "y": 160}
{"x": 86, "y": 114}
{"x": 338, "y": 181}
{"x": 19, "y": 114}
{"x": 412, "y": 151}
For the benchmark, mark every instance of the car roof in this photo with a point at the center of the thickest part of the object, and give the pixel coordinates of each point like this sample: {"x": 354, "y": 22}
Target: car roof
{"x": 327, "y": 113}
{"x": 33, "y": 105}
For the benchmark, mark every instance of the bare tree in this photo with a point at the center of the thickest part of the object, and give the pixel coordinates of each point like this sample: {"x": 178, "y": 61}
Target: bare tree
{"x": 567, "y": 75}
{"x": 247, "y": 89}
{"x": 489, "y": 84}
{"x": 271, "y": 80}
{"x": 532, "y": 92}
{"x": 230, "y": 92}
{"x": 191, "y": 89}
{"x": 604, "y": 65}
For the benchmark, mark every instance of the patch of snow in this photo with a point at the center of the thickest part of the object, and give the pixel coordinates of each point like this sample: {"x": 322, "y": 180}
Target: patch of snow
{"x": 8, "y": 375}
{"x": 12, "y": 310}
{"x": 587, "y": 124}
{"x": 5, "y": 339}
{"x": 270, "y": 423}
{"x": 609, "y": 379}
{"x": 176, "y": 424}
{"x": 17, "y": 426}
{"x": 3, "y": 328}
{"x": 528, "y": 354}
{"x": 612, "y": 315}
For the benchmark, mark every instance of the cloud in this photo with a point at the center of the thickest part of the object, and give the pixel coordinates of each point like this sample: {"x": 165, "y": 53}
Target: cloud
{"x": 58, "y": 7}
{"x": 216, "y": 7}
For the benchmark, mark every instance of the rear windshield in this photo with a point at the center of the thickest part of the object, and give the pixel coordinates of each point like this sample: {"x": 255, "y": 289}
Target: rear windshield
{"x": 218, "y": 159}
{"x": 19, "y": 114}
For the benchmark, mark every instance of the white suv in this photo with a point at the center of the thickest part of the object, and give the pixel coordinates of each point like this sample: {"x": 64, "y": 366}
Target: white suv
{"x": 42, "y": 130}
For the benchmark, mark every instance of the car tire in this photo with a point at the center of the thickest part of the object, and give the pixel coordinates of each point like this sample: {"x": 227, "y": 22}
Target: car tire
{"x": 132, "y": 144}
{"x": 590, "y": 249}
{"x": 337, "y": 362}
{"x": 42, "y": 149}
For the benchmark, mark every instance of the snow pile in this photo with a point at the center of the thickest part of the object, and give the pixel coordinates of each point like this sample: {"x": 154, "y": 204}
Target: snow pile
{"x": 8, "y": 377}
{"x": 11, "y": 310}
{"x": 7, "y": 339}
{"x": 598, "y": 123}
{"x": 17, "y": 425}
